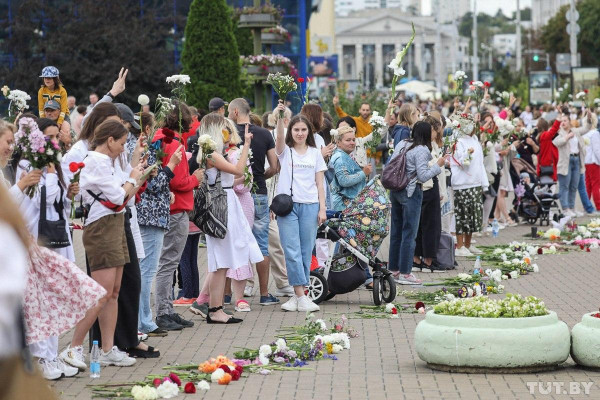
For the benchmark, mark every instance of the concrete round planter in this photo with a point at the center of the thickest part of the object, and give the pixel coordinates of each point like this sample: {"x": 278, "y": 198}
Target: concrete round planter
{"x": 271, "y": 38}
{"x": 257, "y": 21}
{"x": 505, "y": 345}
{"x": 585, "y": 341}
{"x": 256, "y": 72}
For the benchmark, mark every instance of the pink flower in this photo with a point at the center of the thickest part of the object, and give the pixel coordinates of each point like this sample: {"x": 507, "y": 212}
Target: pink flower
{"x": 41, "y": 150}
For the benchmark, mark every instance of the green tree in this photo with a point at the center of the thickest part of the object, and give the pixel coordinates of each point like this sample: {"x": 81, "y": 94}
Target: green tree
{"x": 210, "y": 54}
{"x": 555, "y": 39}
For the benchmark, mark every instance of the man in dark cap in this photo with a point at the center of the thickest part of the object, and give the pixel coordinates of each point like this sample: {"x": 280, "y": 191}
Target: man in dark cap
{"x": 217, "y": 105}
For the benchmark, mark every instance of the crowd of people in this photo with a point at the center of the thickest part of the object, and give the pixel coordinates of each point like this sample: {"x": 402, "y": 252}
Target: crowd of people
{"x": 136, "y": 198}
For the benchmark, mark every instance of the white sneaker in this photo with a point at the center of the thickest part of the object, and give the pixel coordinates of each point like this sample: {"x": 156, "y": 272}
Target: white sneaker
{"x": 569, "y": 213}
{"x": 286, "y": 291}
{"x": 49, "y": 369}
{"x": 142, "y": 336}
{"x": 291, "y": 304}
{"x": 64, "y": 368}
{"x": 501, "y": 225}
{"x": 475, "y": 250}
{"x": 409, "y": 279}
{"x": 74, "y": 357}
{"x": 248, "y": 291}
{"x": 462, "y": 252}
{"x": 116, "y": 357}
{"x": 305, "y": 304}
{"x": 578, "y": 214}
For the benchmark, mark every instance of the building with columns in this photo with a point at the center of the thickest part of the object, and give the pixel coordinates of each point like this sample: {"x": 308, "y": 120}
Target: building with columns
{"x": 368, "y": 41}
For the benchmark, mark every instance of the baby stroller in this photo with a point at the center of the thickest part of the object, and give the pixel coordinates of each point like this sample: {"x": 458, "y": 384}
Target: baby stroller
{"x": 538, "y": 200}
{"x": 358, "y": 232}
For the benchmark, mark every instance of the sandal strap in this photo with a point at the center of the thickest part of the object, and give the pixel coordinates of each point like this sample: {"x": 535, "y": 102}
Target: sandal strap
{"x": 215, "y": 309}
{"x": 237, "y": 303}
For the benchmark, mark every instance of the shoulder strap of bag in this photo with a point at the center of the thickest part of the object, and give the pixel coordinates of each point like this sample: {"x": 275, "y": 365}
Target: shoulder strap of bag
{"x": 43, "y": 203}
{"x": 292, "y": 181}
{"x": 59, "y": 205}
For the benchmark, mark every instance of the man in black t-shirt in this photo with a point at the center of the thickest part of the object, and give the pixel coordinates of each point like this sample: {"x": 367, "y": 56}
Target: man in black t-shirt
{"x": 262, "y": 147}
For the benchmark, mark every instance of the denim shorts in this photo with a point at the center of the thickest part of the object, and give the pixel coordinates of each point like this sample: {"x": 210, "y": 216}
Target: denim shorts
{"x": 260, "y": 229}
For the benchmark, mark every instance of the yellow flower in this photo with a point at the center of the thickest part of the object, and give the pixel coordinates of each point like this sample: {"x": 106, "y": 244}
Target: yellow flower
{"x": 329, "y": 347}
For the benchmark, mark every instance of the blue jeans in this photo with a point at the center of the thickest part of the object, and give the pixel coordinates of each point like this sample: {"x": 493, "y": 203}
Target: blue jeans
{"x": 406, "y": 212}
{"x": 152, "y": 237}
{"x": 298, "y": 232}
{"x": 568, "y": 184}
{"x": 260, "y": 229}
{"x": 583, "y": 194}
{"x": 188, "y": 265}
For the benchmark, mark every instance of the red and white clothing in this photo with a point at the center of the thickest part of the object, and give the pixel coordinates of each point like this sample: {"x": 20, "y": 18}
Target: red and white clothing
{"x": 592, "y": 166}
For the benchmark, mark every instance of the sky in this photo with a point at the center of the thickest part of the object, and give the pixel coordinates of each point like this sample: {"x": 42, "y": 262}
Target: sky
{"x": 489, "y": 6}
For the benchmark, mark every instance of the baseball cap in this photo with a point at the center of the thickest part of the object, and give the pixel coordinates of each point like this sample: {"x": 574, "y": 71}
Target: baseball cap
{"x": 49, "y": 72}
{"x": 127, "y": 115}
{"x": 215, "y": 103}
{"x": 52, "y": 104}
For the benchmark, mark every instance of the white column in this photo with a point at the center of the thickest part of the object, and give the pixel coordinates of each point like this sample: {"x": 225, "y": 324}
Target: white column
{"x": 341, "y": 61}
{"x": 437, "y": 60}
{"x": 378, "y": 65}
{"x": 419, "y": 59}
{"x": 359, "y": 61}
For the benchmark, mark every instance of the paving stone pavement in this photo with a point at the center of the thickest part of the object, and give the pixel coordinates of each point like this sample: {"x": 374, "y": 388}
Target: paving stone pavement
{"x": 382, "y": 362}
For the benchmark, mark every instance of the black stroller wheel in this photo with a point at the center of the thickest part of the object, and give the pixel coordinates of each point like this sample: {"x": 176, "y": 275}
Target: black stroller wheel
{"x": 318, "y": 289}
{"x": 388, "y": 289}
{"x": 377, "y": 297}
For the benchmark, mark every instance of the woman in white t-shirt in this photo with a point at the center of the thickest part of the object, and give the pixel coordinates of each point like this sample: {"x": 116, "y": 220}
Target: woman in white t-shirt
{"x": 302, "y": 171}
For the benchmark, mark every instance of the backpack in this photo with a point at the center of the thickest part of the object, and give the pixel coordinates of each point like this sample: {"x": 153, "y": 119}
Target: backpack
{"x": 445, "y": 253}
{"x": 210, "y": 208}
{"x": 394, "y": 176}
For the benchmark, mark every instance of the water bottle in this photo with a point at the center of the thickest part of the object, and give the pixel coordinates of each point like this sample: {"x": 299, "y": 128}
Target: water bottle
{"x": 495, "y": 228}
{"x": 477, "y": 269}
{"x": 95, "y": 361}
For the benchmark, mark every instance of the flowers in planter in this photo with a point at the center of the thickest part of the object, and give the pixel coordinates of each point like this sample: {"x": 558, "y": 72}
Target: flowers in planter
{"x": 266, "y": 62}
{"x": 279, "y": 30}
{"x": 276, "y": 11}
{"x": 512, "y": 306}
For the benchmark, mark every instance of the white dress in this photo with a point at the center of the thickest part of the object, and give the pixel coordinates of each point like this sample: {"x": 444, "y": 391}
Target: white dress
{"x": 238, "y": 246}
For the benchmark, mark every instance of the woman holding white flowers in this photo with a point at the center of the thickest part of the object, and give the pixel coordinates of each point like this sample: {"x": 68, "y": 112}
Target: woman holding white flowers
{"x": 469, "y": 181}
{"x": 301, "y": 177}
{"x": 238, "y": 247}
{"x": 571, "y": 159}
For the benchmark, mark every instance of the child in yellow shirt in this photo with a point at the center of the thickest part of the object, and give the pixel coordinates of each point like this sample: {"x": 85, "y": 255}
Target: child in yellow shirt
{"x": 52, "y": 89}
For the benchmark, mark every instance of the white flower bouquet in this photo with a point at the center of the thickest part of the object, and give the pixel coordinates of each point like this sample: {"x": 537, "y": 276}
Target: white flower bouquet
{"x": 206, "y": 147}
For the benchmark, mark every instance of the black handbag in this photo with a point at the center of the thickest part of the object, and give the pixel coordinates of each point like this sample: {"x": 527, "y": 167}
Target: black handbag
{"x": 210, "y": 206}
{"x": 52, "y": 234}
{"x": 283, "y": 204}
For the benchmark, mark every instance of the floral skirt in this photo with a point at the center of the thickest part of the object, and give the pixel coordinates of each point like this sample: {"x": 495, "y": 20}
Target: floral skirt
{"x": 468, "y": 210}
{"x": 57, "y": 295}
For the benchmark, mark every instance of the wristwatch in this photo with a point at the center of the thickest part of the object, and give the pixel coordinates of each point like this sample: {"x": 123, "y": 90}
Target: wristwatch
{"x": 132, "y": 181}
{"x": 109, "y": 94}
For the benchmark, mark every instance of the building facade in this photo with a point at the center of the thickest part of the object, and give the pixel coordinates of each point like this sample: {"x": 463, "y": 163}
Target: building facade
{"x": 345, "y": 7}
{"x": 505, "y": 43}
{"x": 543, "y": 10}
{"x": 449, "y": 10}
{"x": 368, "y": 41}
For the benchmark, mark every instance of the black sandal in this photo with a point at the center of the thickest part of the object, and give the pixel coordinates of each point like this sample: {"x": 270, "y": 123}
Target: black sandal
{"x": 139, "y": 353}
{"x": 231, "y": 320}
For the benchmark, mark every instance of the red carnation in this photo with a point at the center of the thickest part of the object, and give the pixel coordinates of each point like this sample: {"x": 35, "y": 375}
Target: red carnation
{"x": 225, "y": 368}
{"x": 239, "y": 369}
{"x": 581, "y": 246}
{"x": 540, "y": 251}
{"x": 394, "y": 311}
{"x": 157, "y": 382}
{"x": 301, "y": 80}
{"x": 470, "y": 83}
{"x": 490, "y": 131}
{"x": 169, "y": 135}
{"x": 587, "y": 249}
{"x": 486, "y": 84}
{"x": 585, "y": 91}
{"x": 73, "y": 167}
{"x": 81, "y": 165}
{"x": 235, "y": 375}
{"x": 189, "y": 388}
{"x": 419, "y": 304}
{"x": 175, "y": 379}
{"x": 481, "y": 128}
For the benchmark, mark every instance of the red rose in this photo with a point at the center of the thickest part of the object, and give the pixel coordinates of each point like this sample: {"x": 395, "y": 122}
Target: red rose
{"x": 587, "y": 249}
{"x": 486, "y": 84}
{"x": 540, "y": 251}
{"x": 490, "y": 131}
{"x": 81, "y": 165}
{"x": 73, "y": 167}
{"x": 157, "y": 382}
{"x": 581, "y": 246}
{"x": 481, "y": 128}
{"x": 189, "y": 388}
{"x": 394, "y": 311}
{"x": 585, "y": 91}
{"x": 235, "y": 375}
{"x": 239, "y": 368}
{"x": 225, "y": 368}
{"x": 419, "y": 304}
{"x": 301, "y": 80}
{"x": 169, "y": 135}
{"x": 175, "y": 379}
{"x": 458, "y": 126}
{"x": 470, "y": 83}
